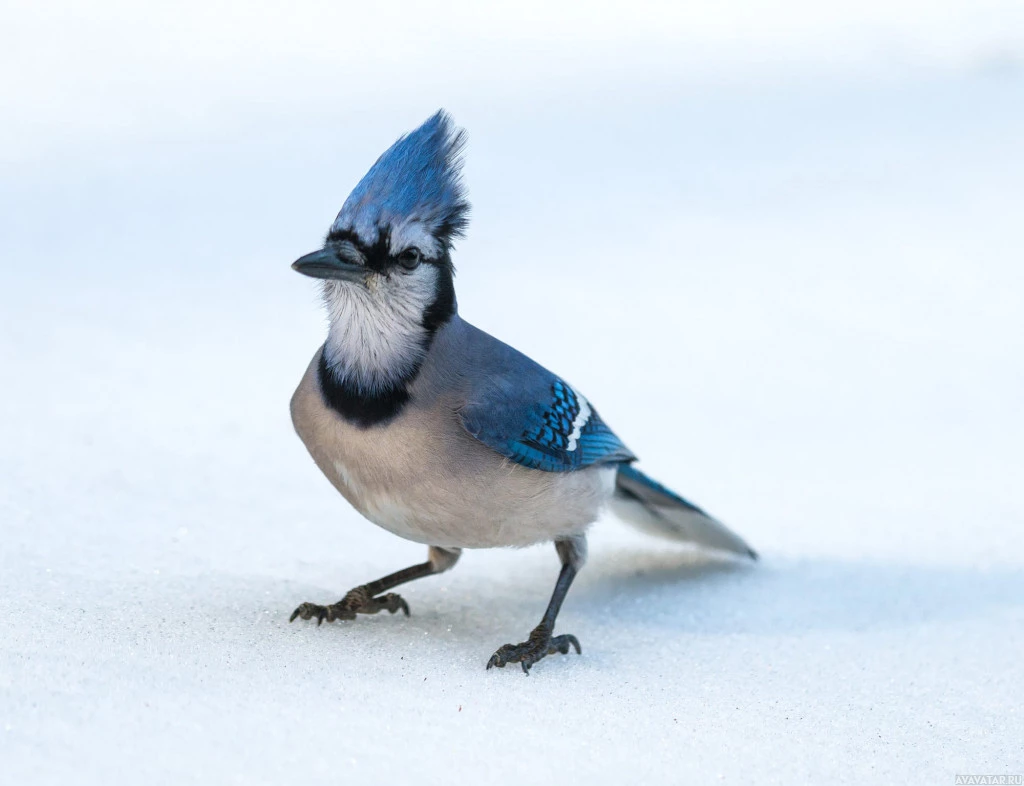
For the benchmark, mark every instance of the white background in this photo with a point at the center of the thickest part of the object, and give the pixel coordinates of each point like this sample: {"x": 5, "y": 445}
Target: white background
{"x": 778, "y": 245}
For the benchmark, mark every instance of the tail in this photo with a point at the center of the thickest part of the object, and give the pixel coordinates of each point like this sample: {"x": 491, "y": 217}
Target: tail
{"x": 651, "y": 507}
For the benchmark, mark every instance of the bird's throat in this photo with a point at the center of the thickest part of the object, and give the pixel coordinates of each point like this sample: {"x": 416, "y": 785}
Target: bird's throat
{"x": 376, "y": 346}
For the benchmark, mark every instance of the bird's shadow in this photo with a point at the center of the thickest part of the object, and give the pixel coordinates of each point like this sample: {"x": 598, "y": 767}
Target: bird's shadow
{"x": 791, "y": 596}
{"x": 686, "y": 591}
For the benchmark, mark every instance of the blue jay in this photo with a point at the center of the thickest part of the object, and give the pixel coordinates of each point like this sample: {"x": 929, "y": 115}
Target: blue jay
{"x": 438, "y": 432}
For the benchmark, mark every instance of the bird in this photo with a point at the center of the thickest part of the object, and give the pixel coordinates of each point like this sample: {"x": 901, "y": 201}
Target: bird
{"x": 440, "y": 433}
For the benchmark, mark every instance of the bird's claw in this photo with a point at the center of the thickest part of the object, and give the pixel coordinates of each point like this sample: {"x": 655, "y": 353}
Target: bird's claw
{"x": 358, "y": 601}
{"x": 309, "y": 610}
{"x": 540, "y": 644}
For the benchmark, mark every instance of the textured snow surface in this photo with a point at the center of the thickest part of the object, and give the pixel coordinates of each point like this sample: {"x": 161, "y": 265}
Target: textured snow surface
{"x": 798, "y": 298}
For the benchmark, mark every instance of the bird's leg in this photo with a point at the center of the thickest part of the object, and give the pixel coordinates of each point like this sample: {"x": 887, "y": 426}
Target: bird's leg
{"x": 541, "y": 642}
{"x": 368, "y": 598}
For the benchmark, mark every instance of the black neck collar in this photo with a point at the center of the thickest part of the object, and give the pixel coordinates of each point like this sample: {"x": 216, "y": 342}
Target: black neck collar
{"x": 359, "y": 407}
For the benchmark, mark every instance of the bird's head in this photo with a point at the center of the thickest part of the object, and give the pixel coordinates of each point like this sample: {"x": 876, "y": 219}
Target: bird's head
{"x": 386, "y": 263}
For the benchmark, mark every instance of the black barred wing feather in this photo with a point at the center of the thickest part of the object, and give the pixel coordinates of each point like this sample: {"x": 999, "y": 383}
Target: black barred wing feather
{"x": 557, "y": 431}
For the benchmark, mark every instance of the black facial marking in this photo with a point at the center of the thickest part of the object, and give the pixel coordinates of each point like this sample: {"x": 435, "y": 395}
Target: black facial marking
{"x": 378, "y": 256}
{"x": 444, "y": 306}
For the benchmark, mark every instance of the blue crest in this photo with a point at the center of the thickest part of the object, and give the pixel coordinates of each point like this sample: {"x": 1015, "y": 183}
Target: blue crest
{"x": 417, "y": 180}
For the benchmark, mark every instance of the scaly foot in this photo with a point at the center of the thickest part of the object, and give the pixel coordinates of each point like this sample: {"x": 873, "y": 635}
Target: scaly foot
{"x": 358, "y": 601}
{"x": 540, "y": 644}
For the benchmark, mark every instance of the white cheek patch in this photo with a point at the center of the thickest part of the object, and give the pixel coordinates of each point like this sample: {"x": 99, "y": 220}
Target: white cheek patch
{"x": 414, "y": 234}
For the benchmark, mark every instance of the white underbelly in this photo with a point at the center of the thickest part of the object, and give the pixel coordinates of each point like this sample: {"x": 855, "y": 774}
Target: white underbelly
{"x": 383, "y": 508}
{"x": 475, "y": 514}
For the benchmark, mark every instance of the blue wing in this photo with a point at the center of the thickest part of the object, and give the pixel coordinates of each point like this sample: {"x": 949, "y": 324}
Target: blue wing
{"x": 529, "y": 415}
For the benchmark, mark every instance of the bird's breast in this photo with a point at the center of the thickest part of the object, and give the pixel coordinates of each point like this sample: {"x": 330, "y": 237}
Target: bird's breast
{"x": 424, "y": 478}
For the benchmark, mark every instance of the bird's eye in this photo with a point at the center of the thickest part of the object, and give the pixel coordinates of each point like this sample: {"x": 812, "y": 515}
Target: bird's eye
{"x": 409, "y": 258}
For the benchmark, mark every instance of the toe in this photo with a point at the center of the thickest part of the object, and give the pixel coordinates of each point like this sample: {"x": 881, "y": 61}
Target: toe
{"x": 392, "y": 602}
{"x": 562, "y": 643}
{"x": 504, "y": 654}
{"x": 309, "y": 610}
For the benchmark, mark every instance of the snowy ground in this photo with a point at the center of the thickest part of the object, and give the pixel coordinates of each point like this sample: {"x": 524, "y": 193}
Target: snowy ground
{"x": 797, "y": 295}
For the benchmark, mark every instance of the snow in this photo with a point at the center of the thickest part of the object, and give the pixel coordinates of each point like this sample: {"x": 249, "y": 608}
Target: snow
{"x": 795, "y": 292}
